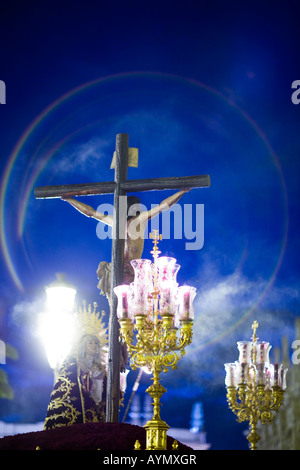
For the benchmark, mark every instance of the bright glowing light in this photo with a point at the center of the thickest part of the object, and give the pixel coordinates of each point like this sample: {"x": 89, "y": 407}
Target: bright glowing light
{"x": 56, "y": 325}
{"x": 56, "y": 332}
{"x": 60, "y": 298}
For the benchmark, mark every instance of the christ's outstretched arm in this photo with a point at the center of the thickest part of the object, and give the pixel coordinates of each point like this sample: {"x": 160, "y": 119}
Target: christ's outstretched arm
{"x": 88, "y": 211}
{"x": 143, "y": 217}
{"x": 164, "y": 205}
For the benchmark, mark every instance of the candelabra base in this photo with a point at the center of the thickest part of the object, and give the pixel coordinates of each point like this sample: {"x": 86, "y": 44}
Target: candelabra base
{"x": 253, "y": 437}
{"x": 156, "y": 434}
{"x": 156, "y": 428}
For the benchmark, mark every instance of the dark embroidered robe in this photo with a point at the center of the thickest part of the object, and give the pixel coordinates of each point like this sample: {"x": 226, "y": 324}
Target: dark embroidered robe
{"x": 70, "y": 400}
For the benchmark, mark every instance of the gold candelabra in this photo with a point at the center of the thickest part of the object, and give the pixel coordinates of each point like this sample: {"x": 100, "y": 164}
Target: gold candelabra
{"x": 156, "y": 322}
{"x": 255, "y": 388}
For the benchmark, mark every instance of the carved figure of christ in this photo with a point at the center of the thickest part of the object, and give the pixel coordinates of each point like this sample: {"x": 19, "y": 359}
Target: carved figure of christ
{"x": 135, "y": 227}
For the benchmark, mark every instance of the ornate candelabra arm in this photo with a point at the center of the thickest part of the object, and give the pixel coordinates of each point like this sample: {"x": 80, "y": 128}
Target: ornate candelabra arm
{"x": 240, "y": 401}
{"x": 126, "y": 333}
{"x": 145, "y": 334}
{"x": 186, "y": 334}
{"x": 232, "y": 399}
{"x": 278, "y": 398}
{"x": 167, "y": 326}
{"x": 242, "y": 394}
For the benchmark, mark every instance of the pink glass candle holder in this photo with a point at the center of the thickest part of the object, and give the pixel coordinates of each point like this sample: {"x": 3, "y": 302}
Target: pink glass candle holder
{"x": 141, "y": 296}
{"x": 276, "y": 375}
{"x": 123, "y": 380}
{"x": 269, "y": 376}
{"x": 262, "y": 352}
{"x": 231, "y": 376}
{"x": 244, "y": 348}
{"x": 166, "y": 270}
{"x": 142, "y": 272}
{"x": 141, "y": 300}
{"x": 242, "y": 370}
{"x": 165, "y": 301}
{"x": 175, "y": 272}
{"x": 122, "y": 292}
{"x": 260, "y": 376}
{"x": 283, "y": 373}
{"x": 279, "y": 376}
{"x": 185, "y": 299}
{"x": 142, "y": 285}
{"x": 130, "y": 298}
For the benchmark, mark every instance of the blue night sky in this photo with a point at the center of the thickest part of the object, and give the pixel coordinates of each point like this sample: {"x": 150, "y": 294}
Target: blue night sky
{"x": 201, "y": 88}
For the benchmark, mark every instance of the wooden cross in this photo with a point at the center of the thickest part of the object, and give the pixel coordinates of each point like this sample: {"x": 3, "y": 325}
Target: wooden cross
{"x": 119, "y": 187}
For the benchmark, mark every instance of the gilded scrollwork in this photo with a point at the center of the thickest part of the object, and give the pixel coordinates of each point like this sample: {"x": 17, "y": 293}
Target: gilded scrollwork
{"x": 62, "y": 401}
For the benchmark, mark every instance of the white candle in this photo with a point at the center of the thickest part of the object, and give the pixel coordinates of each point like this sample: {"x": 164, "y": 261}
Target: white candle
{"x": 276, "y": 375}
{"x": 262, "y": 352}
{"x": 185, "y": 298}
{"x": 244, "y": 348}
{"x": 165, "y": 301}
{"x": 122, "y": 293}
{"x": 230, "y": 380}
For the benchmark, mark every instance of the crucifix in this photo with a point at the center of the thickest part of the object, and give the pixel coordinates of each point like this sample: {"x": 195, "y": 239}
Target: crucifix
{"x": 119, "y": 187}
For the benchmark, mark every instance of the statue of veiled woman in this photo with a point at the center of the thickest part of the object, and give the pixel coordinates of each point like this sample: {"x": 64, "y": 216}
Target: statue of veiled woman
{"x": 79, "y": 393}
